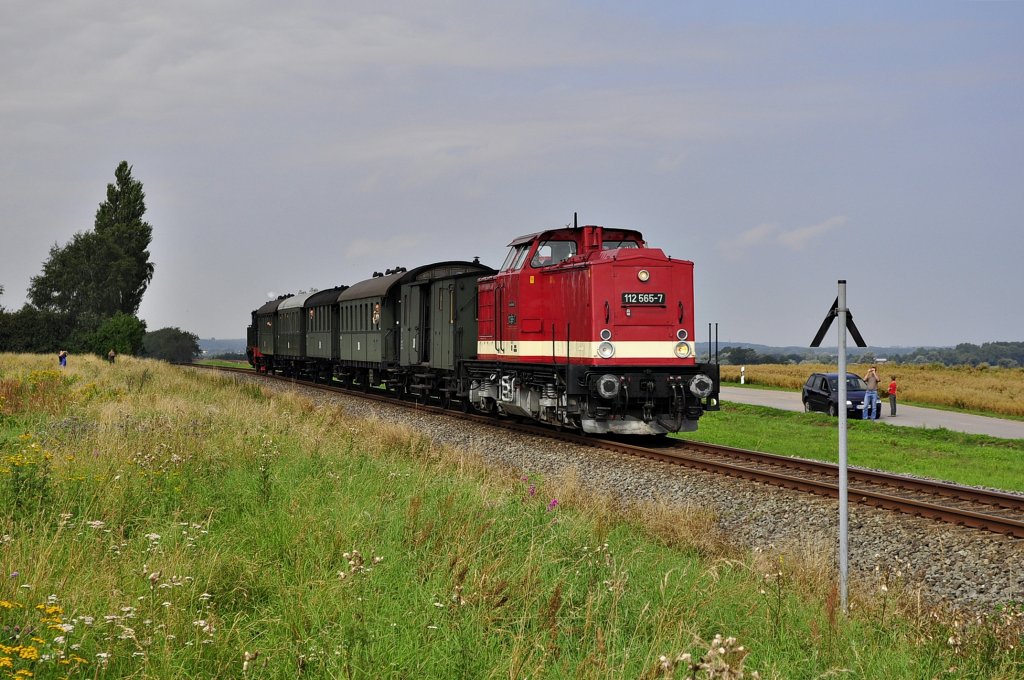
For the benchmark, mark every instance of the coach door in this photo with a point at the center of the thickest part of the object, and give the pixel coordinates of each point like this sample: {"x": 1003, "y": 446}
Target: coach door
{"x": 416, "y": 323}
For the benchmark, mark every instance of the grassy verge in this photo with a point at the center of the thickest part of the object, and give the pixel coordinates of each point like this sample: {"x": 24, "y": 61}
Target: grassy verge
{"x": 159, "y": 523}
{"x": 941, "y": 454}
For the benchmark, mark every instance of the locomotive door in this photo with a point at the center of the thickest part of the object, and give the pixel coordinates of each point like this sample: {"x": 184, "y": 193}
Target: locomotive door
{"x": 506, "y": 313}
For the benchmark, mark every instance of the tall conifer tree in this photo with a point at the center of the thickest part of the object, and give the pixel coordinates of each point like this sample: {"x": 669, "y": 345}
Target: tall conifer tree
{"x": 105, "y": 271}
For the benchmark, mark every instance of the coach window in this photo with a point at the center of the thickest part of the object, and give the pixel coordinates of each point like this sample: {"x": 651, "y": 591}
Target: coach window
{"x": 553, "y": 252}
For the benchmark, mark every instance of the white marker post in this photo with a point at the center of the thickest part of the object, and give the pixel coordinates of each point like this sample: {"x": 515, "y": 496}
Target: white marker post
{"x": 844, "y": 510}
{"x": 845, "y": 322}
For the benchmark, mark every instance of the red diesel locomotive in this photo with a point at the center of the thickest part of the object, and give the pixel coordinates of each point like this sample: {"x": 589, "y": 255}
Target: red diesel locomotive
{"x": 585, "y": 328}
{"x": 591, "y": 329}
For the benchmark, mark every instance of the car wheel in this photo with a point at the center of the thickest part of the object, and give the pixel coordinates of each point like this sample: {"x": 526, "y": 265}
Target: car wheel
{"x": 807, "y": 407}
{"x": 832, "y": 410}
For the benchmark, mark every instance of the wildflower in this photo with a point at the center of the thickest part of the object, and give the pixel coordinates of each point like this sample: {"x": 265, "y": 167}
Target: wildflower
{"x": 553, "y": 504}
{"x": 247, "y": 658}
{"x": 15, "y": 574}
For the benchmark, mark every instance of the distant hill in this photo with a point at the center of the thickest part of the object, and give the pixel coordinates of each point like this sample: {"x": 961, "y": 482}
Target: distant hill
{"x": 214, "y": 346}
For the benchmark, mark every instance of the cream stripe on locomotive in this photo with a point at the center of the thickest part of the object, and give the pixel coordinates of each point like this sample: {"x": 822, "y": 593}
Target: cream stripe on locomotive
{"x": 626, "y": 349}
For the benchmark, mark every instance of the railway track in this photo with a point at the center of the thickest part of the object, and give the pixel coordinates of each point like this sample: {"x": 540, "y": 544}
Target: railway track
{"x": 995, "y": 511}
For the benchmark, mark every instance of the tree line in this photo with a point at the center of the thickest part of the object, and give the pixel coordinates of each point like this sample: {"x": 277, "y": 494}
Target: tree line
{"x": 1001, "y": 354}
{"x": 87, "y": 297}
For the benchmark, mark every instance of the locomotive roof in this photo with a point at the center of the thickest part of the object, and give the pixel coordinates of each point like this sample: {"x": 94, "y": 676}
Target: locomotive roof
{"x": 295, "y": 301}
{"x": 379, "y": 286}
{"x": 573, "y": 231}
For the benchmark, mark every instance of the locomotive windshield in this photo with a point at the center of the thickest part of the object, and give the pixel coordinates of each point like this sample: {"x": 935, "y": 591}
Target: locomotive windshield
{"x": 553, "y": 252}
{"x": 515, "y": 258}
{"x": 612, "y": 245}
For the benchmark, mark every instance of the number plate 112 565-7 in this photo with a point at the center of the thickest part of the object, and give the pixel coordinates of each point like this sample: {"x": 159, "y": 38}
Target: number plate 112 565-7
{"x": 643, "y": 298}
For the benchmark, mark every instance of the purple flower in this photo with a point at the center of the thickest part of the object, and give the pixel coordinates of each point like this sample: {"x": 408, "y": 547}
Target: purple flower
{"x": 553, "y": 504}
{"x": 533, "y": 490}
{"x": 15, "y": 574}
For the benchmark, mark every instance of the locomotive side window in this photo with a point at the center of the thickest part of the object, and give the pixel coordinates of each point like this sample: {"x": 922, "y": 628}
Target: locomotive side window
{"x": 553, "y": 252}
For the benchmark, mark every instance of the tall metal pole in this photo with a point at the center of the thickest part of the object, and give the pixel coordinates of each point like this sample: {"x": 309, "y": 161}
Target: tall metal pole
{"x": 844, "y": 518}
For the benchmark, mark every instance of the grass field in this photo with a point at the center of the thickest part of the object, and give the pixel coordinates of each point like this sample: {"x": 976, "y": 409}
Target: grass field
{"x": 940, "y": 454}
{"x": 159, "y": 523}
{"x": 993, "y": 391}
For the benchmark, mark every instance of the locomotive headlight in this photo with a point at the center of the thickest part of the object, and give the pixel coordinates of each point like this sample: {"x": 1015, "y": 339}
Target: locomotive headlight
{"x": 681, "y": 334}
{"x": 701, "y": 386}
{"x": 606, "y": 334}
{"x": 682, "y": 350}
{"x": 606, "y": 350}
{"x": 643, "y": 275}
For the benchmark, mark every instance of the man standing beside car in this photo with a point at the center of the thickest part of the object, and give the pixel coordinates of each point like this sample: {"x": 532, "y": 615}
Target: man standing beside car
{"x": 870, "y": 394}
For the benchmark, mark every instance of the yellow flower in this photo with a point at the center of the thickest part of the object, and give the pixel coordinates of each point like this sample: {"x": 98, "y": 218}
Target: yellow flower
{"x": 6, "y": 662}
{"x": 29, "y": 652}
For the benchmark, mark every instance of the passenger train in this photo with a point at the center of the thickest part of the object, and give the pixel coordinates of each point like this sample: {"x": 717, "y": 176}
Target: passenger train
{"x": 586, "y": 328}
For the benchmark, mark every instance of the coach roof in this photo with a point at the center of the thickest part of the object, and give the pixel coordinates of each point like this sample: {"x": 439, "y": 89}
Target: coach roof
{"x": 379, "y": 286}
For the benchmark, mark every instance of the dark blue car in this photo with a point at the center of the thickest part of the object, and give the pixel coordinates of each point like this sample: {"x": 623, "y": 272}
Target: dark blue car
{"x": 821, "y": 393}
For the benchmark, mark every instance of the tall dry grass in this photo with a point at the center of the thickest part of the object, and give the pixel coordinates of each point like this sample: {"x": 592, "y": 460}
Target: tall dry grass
{"x": 986, "y": 390}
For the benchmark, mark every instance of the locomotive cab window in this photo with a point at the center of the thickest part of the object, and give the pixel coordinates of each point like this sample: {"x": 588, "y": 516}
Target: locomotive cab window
{"x": 552, "y": 252}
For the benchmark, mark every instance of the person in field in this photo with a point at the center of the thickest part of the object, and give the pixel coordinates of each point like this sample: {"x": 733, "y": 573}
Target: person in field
{"x": 892, "y": 396}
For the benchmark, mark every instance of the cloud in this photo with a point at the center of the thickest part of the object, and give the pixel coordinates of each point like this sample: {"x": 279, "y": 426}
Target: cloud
{"x": 797, "y": 239}
{"x": 769, "y": 235}
{"x": 365, "y": 248}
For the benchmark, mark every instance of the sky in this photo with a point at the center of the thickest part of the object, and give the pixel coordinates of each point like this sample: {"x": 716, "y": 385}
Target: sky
{"x": 290, "y": 146}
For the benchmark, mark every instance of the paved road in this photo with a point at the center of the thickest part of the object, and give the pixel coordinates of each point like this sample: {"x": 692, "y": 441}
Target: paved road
{"x": 911, "y": 416}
